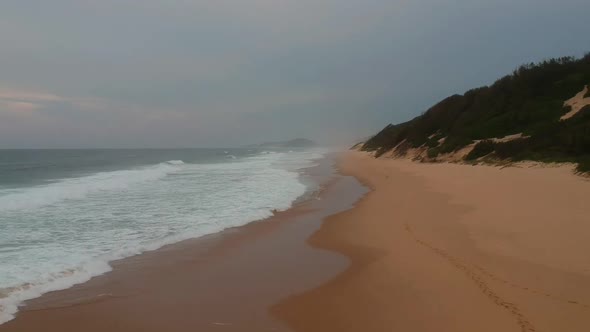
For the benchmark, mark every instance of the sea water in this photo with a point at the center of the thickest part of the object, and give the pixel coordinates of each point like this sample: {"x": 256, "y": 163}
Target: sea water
{"x": 65, "y": 214}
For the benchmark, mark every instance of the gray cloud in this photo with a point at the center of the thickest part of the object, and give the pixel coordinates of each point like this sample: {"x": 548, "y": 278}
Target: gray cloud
{"x": 151, "y": 73}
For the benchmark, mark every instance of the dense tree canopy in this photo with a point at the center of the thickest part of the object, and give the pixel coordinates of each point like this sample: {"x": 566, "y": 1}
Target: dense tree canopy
{"x": 529, "y": 101}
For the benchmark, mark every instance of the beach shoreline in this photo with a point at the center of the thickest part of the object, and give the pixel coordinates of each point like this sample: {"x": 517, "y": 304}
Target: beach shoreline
{"x": 224, "y": 281}
{"x": 430, "y": 247}
{"x": 451, "y": 247}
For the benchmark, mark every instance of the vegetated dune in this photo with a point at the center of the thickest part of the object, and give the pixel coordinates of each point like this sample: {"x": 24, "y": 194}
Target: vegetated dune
{"x": 576, "y": 103}
{"x": 540, "y": 112}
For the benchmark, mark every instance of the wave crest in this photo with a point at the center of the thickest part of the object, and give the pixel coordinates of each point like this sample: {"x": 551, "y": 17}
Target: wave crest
{"x": 79, "y": 188}
{"x": 174, "y": 162}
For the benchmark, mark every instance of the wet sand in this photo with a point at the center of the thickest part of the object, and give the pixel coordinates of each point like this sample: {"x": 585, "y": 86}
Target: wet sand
{"x": 447, "y": 247}
{"x": 432, "y": 247}
{"x": 222, "y": 282}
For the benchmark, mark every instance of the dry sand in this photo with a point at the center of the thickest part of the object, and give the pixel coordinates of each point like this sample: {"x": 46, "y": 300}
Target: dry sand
{"x": 576, "y": 103}
{"x": 448, "y": 247}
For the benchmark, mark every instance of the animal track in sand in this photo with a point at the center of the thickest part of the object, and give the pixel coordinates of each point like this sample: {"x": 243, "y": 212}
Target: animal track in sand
{"x": 523, "y": 322}
{"x": 531, "y": 290}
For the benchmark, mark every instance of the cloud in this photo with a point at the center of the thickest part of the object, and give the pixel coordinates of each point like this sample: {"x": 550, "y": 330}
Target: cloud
{"x": 24, "y": 95}
{"x": 148, "y": 73}
{"x": 21, "y": 101}
{"x": 24, "y": 103}
{"x": 18, "y": 107}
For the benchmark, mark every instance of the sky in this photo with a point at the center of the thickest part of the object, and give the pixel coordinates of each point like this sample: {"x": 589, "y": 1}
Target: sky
{"x": 222, "y": 73}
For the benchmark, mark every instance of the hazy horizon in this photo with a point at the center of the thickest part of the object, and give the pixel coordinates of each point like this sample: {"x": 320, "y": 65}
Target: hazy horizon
{"x": 181, "y": 74}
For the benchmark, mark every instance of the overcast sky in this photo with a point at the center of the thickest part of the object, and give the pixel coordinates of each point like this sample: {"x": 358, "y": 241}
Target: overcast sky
{"x": 206, "y": 73}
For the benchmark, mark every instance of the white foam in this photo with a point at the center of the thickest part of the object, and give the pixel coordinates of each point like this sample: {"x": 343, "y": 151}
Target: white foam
{"x": 78, "y": 188}
{"x": 14, "y": 296}
{"x": 80, "y": 225}
{"x": 175, "y": 162}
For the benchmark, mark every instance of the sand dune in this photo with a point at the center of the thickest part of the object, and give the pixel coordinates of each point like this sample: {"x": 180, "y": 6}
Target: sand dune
{"x": 576, "y": 103}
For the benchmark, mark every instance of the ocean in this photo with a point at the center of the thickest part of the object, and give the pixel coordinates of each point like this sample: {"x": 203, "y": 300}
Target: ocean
{"x": 65, "y": 214}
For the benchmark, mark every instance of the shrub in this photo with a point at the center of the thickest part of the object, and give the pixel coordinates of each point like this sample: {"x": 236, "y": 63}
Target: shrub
{"x": 481, "y": 149}
{"x": 584, "y": 165}
{"x": 511, "y": 149}
{"x": 433, "y": 153}
{"x": 454, "y": 143}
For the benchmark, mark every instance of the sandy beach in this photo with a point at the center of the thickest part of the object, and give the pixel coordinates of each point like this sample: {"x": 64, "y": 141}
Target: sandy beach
{"x": 432, "y": 247}
{"x": 294, "y": 166}
{"x": 448, "y": 247}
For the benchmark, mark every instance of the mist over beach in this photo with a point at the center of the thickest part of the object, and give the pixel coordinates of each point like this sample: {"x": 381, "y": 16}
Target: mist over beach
{"x": 295, "y": 166}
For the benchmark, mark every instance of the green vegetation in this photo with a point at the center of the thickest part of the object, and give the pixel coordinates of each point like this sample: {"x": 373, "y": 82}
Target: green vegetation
{"x": 584, "y": 165}
{"x": 529, "y": 101}
{"x": 481, "y": 149}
